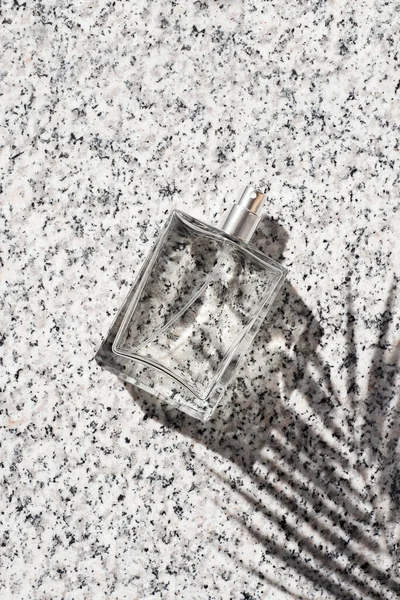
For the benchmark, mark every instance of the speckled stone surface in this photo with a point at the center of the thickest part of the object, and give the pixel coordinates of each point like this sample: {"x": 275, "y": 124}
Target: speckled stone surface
{"x": 112, "y": 114}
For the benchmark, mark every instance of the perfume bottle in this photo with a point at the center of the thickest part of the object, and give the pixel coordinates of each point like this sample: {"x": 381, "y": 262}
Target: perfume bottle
{"x": 194, "y": 309}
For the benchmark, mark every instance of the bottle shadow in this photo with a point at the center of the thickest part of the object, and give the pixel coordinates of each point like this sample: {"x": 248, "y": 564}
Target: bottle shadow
{"x": 279, "y": 424}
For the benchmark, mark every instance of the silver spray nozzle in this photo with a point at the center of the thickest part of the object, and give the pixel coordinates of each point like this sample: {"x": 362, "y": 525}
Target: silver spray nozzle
{"x": 243, "y": 217}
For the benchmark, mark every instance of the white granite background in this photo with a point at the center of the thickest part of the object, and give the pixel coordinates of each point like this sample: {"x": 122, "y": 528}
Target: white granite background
{"x": 113, "y": 113}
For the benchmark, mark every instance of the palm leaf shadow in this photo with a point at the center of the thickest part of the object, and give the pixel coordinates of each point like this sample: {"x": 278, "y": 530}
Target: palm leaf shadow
{"x": 377, "y": 444}
{"x": 380, "y": 432}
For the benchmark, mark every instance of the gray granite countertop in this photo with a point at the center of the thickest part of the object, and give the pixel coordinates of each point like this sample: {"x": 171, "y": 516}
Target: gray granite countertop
{"x": 112, "y": 115}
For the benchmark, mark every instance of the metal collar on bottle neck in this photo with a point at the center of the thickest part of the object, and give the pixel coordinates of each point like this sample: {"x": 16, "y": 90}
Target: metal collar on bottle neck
{"x": 243, "y": 217}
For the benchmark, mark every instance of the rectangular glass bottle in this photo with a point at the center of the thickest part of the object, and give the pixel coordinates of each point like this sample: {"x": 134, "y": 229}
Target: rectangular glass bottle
{"x": 195, "y": 307}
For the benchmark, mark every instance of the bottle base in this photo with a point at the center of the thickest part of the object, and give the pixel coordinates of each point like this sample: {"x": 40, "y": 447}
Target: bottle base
{"x": 156, "y": 383}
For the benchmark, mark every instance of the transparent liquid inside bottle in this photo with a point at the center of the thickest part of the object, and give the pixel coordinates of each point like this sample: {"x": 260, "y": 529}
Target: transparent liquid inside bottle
{"x": 192, "y": 313}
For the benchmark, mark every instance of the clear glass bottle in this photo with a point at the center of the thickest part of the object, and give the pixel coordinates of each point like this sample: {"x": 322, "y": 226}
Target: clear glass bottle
{"x": 195, "y": 307}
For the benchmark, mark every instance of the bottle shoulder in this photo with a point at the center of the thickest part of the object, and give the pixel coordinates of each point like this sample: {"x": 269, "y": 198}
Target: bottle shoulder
{"x": 199, "y": 227}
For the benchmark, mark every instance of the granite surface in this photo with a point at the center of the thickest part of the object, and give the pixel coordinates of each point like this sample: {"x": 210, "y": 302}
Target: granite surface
{"x": 112, "y": 114}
